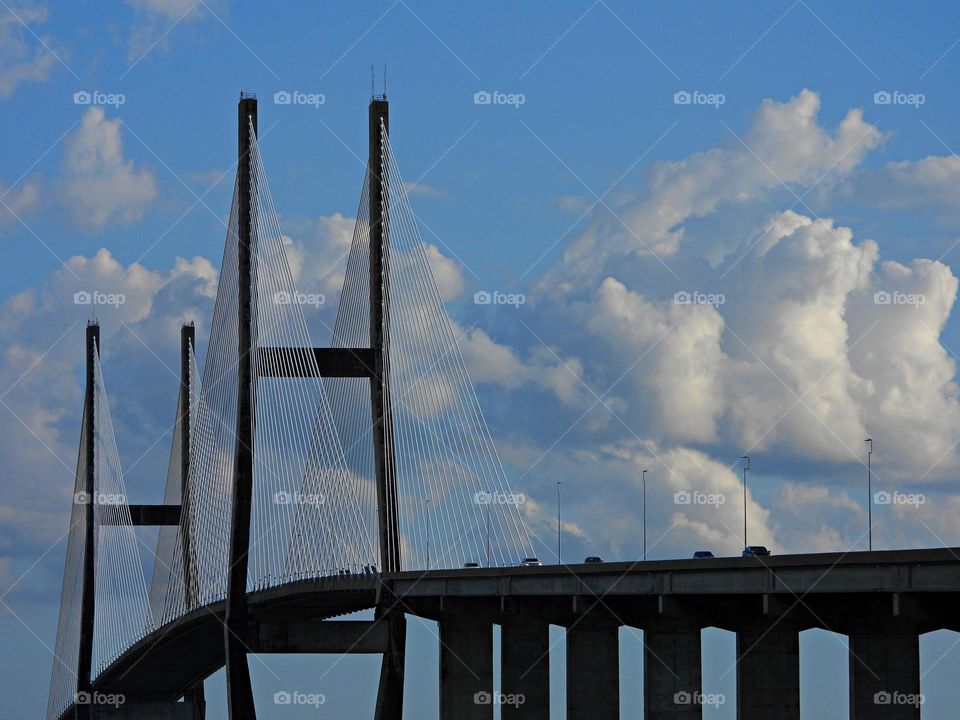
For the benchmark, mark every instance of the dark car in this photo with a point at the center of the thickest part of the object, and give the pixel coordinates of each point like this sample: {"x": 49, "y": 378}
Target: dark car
{"x": 699, "y": 554}
{"x": 755, "y": 551}
{"x": 471, "y": 565}
{"x": 593, "y": 559}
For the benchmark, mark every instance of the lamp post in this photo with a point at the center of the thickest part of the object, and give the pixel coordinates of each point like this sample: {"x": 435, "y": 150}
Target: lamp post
{"x": 559, "y": 557}
{"x": 746, "y": 467}
{"x": 644, "y": 514}
{"x": 489, "y": 503}
{"x": 869, "y": 442}
{"x": 429, "y": 533}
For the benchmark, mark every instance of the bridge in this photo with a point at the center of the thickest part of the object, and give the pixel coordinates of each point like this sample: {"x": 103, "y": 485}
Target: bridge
{"x": 308, "y": 483}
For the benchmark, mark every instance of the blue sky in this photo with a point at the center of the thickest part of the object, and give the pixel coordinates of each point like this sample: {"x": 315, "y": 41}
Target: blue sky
{"x": 797, "y": 197}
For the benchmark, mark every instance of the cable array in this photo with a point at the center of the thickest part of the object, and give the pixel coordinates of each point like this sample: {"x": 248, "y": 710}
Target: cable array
{"x": 305, "y": 520}
{"x": 122, "y": 611}
{"x": 314, "y": 505}
{"x": 453, "y": 499}
{"x": 63, "y": 678}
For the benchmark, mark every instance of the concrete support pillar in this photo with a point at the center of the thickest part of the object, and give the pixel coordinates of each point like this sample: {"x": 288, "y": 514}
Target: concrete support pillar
{"x": 885, "y": 677}
{"x": 525, "y": 669}
{"x": 466, "y": 669}
{"x": 593, "y": 672}
{"x": 672, "y": 683}
{"x": 768, "y": 675}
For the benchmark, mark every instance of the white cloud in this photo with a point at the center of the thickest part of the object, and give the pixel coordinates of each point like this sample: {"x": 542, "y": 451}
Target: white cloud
{"x": 800, "y": 356}
{"x": 490, "y": 362}
{"x": 784, "y": 144}
{"x": 42, "y": 332}
{"x": 684, "y": 370}
{"x": 319, "y": 260}
{"x": 424, "y": 190}
{"x": 446, "y": 272}
{"x": 18, "y": 200}
{"x": 931, "y": 182}
{"x": 22, "y": 58}
{"x": 157, "y": 18}
{"x": 100, "y": 186}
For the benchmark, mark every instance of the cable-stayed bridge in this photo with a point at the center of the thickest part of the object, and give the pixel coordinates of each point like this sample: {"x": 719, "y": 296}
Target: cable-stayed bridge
{"x": 309, "y": 482}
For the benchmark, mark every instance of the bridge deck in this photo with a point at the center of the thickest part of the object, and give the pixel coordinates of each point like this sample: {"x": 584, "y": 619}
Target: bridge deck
{"x": 716, "y": 591}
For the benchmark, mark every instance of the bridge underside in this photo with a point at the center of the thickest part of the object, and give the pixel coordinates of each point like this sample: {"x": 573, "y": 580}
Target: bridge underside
{"x": 882, "y": 600}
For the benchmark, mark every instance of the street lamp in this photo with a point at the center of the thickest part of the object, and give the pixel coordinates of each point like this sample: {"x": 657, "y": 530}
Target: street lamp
{"x": 644, "y": 514}
{"x": 869, "y": 442}
{"x": 489, "y": 503}
{"x": 559, "y": 557}
{"x": 429, "y": 533}
{"x": 745, "y": 468}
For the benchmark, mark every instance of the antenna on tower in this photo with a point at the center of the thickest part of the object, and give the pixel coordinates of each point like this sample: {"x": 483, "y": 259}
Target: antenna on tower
{"x": 373, "y": 89}
{"x": 384, "y": 79}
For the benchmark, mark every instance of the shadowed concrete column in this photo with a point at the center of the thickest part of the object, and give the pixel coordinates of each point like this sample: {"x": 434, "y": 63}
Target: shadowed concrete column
{"x": 593, "y": 672}
{"x": 525, "y": 669}
{"x": 885, "y": 677}
{"x": 672, "y": 684}
{"x": 768, "y": 675}
{"x": 466, "y": 669}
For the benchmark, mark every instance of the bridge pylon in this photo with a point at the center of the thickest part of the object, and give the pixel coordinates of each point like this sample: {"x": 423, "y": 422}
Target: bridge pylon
{"x": 236, "y": 623}
{"x": 390, "y": 692}
{"x": 88, "y": 576}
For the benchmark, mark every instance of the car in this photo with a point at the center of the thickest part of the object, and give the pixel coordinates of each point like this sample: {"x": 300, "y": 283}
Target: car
{"x": 755, "y": 551}
{"x": 700, "y": 554}
{"x": 471, "y": 565}
{"x": 370, "y": 570}
{"x": 531, "y": 562}
{"x": 593, "y": 559}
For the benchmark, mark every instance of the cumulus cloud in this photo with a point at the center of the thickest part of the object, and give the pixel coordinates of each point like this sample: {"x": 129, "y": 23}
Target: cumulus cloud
{"x": 931, "y": 182}
{"x": 22, "y": 58}
{"x": 42, "y": 330}
{"x": 18, "y": 200}
{"x": 683, "y": 372}
{"x": 784, "y": 144}
{"x": 491, "y": 362}
{"x": 100, "y": 186}
{"x": 810, "y": 351}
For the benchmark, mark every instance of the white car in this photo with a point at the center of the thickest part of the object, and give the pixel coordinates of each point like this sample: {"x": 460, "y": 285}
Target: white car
{"x": 530, "y": 562}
